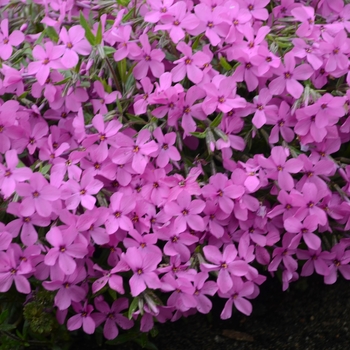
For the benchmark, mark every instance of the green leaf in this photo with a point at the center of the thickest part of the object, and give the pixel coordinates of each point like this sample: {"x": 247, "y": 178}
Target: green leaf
{"x": 221, "y": 134}
{"x": 128, "y": 15}
{"x": 101, "y": 51}
{"x": 119, "y": 106}
{"x": 124, "y": 3}
{"x": 133, "y": 306}
{"x": 40, "y": 39}
{"x": 225, "y": 64}
{"x": 45, "y": 169}
{"x": 199, "y": 135}
{"x": 3, "y": 316}
{"x": 52, "y": 34}
{"x": 122, "y": 69}
{"x": 62, "y": 82}
{"x": 88, "y": 33}
{"x": 108, "y": 50}
{"x": 99, "y": 34}
{"x": 216, "y": 122}
{"x": 196, "y": 42}
{"x": 135, "y": 119}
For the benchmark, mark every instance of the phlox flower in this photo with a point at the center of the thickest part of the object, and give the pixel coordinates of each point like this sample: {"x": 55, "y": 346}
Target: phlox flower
{"x": 177, "y": 21}
{"x": 256, "y": 8}
{"x": 37, "y": 195}
{"x": 237, "y": 295}
{"x": 68, "y": 288}
{"x": 11, "y": 270}
{"x": 305, "y": 230}
{"x": 113, "y": 280}
{"x": 289, "y": 76}
{"x": 166, "y": 149}
{"x": 305, "y": 15}
{"x": 45, "y": 59}
{"x": 10, "y": 175}
{"x": 189, "y": 65}
{"x": 148, "y": 59}
{"x": 226, "y": 263}
{"x": 339, "y": 263}
{"x": 186, "y": 212}
{"x": 112, "y": 316}
{"x": 75, "y": 42}
{"x": 137, "y": 152}
{"x": 64, "y": 249}
{"x": 99, "y": 104}
{"x": 203, "y": 287}
{"x": 8, "y": 40}
{"x": 83, "y": 318}
{"x": 316, "y": 261}
{"x": 144, "y": 265}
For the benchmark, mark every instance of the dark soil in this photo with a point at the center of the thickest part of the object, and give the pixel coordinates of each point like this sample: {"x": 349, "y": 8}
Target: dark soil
{"x": 311, "y": 315}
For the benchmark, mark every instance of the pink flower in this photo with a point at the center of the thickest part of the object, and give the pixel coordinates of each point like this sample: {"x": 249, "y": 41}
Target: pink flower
{"x": 143, "y": 264}
{"x": 237, "y": 296}
{"x": 99, "y": 105}
{"x": 75, "y": 42}
{"x": 167, "y": 150}
{"x": 45, "y": 59}
{"x": 64, "y": 249}
{"x": 38, "y": 196}
{"x": 189, "y": 65}
{"x": 7, "y": 41}
{"x": 226, "y": 263}
{"x": 10, "y": 175}
{"x": 83, "y": 318}
{"x": 148, "y": 59}
{"x": 186, "y": 212}
{"x": 137, "y": 152}
{"x": 289, "y": 76}
{"x": 112, "y": 316}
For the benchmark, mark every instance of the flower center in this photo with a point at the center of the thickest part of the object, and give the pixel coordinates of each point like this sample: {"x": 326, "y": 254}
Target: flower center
{"x": 69, "y": 45}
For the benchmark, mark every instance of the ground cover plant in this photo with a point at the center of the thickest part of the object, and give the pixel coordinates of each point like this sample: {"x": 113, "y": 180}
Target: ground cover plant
{"x": 157, "y": 153}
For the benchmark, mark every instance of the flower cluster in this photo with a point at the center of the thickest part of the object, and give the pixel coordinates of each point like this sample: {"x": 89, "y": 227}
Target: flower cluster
{"x": 155, "y": 153}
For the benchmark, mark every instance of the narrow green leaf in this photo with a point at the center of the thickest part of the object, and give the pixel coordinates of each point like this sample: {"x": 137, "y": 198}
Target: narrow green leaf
{"x": 62, "y": 82}
{"x": 196, "y": 42}
{"x": 122, "y": 70}
{"x": 135, "y": 119}
{"x": 88, "y": 33}
{"x": 199, "y": 135}
{"x": 3, "y": 316}
{"x": 40, "y": 39}
{"x": 133, "y": 306}
{"x": 45, "y": 169}
{"x": 52, "y": 34}
{"x": 99, "y": 34}
{"x": 225, "y": 64}
{"x": 119, "y": 106}
{"x": 101, "y": 51}
{"x": 124, "y": 3}
{"x": 216, "y": 122}
{"x": 108, "y": 50}
{"x": 128, "y": 15}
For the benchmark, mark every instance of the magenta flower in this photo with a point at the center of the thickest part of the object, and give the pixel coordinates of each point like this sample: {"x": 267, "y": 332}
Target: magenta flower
{"x": 99, "y": 105}
{"x": 237, "y": 296}
{"x": 186, "y": 212}
{"x": 38, "y": 196}
{"x": 8, "y": 40}
{"x": 83, "y": 318}
{"x": 10, "y": 175}
{"x": 316, "y": 261}
{"x": 121, "y": 205}
{"x": 177, "y": 21}
{"x": 289, "y": 76}
{"x": 202, "y": 289}
{"x": 304, "y": 229}
{"x": 226, "y": 263}
{"x": 64, "y": 249}
{"x": 75, "y": 42}
{"x": 167, "y": 151}
{"x": 148, "y": 59}
{"x": 256, "y": 8}
{"x": 137, "y": 152}
{"x": 25, "y": 224}
{"x": 305, "y": 15}
{"x": 212, "y": 22}
{"x": 75, "y": 193}
{"x": 11, "y": 270}
{"x": 68, "y": 289}
{"x": 339, "y": 263}
{"x": 45, "y": 59}
{"x": 189, "y": 65}
{"x": 113, "y": 280}
{"x": 112, "y": 316}
{"x": 221, "y": 94}
{"x": 279, "y": 168}
{"x": 143, "y": 264}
